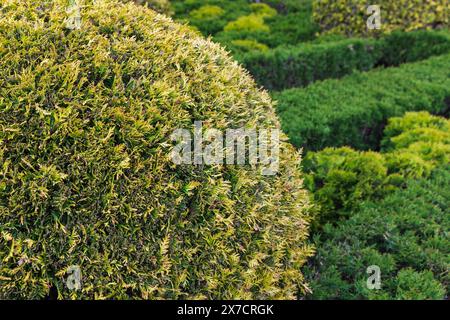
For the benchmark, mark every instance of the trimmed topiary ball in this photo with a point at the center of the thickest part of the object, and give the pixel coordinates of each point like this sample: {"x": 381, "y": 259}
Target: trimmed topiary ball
{"x": 86, "y": 181}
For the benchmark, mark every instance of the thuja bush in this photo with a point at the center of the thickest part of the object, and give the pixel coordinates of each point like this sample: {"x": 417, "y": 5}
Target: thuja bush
{"x": 86, "y": 177}
{"x": 405, "y": 235}
{"x": 341, "y": 178}
{"x": 350, "y": 16}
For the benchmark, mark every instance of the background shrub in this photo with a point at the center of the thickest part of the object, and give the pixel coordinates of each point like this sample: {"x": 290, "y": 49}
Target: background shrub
{"x": 246, "y": 46}
{"x": 88, "y": 181}
{"x": 403, "y": 47}
{"x": 341, "y": 178}
{"x": 400, "y": 132}
{"x": 271, "y": 23}
{"x": 205, "y": 15}
{"x": 405, "y": 235}
{"x": 352, "y": 111}
{"x": 350, "y": 16}
{"x": 250, "y": 23}
{"x": 288, "y": 67}
{"x": 207, "y": 18}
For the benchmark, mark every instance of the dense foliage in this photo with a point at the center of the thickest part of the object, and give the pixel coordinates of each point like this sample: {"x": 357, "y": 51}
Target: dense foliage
{"x": 162, "y": 6}
{"x": 352, "y": 111}
{"x": 350, "y": 16}
{"x": 341, "y": 178}
{"x": 405, "y": 235}
{"x": 268, "y": 23}
{"x": 303, "y": 64}
{"x": 86, "y": 177}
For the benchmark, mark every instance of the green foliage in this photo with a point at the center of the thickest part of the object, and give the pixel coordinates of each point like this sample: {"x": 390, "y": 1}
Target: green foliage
{"x": 85, "y": 173}
{"x": 290, "y": 29}
{"x": 350, "y": 16}
{"x": 245, "y": 46}
{"x": 352, "y": 111}
{"x": 207, "y": 18}
{"x": 403, "y": 47}
{"x": 207, "y": 12}
{"x": 250, "y": 23}
{"x": 406, "y": 235}
{"x": 298, "y": 66}
{"x": 412, "y": 285}
{"x": 262, "y": 9}
{"x": 162, "y": 6}
{"x": 341, "y": 178}
{"x": 253, "y": 22}
{"x": 400, "y": 132}
{"x": 288, "y": 67}
{"x": 288, "y": 6}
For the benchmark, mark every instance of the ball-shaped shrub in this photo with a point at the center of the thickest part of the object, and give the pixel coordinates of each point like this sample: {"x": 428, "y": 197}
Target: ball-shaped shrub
{"x": 350, "y": 16}
{"x": 86, "y": 179}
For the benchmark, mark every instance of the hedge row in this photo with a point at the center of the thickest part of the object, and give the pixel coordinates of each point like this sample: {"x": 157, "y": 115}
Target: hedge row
{"x": 350, "y": 16}
{"x": 352, "y": 111}
{"x": 341, "y": 178}
{"x": 288, "y": 67}
{"x": 405, "y": 235}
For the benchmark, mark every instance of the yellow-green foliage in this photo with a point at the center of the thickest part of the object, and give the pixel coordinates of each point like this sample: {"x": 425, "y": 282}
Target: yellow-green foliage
{"x": 207, "y": 12}
{"x": 418, "y": 134}
{"x": 342, "y": 178}
{"x": 254, "y": 22}
{"x": 249, "y": 46}
{"x": 250, "y": 23}
{"x": 86, "y": 177}
{"x": 263, "y": 10}
{"x": 402, "y": 131}
{"x": 350, "y": 16}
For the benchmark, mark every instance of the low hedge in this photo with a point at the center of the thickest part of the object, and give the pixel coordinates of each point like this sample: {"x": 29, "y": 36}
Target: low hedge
{"x": 350, "y": 16}
{"x": 403, "y": 47}
{"x": 341, "y": 178}
{"x": 86, "y": 177}
{"x": 298, "y": 66}
{"x": 288, "y": 67}
{"x": 405, "y": 235}
{"x": 353, "y": 111}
